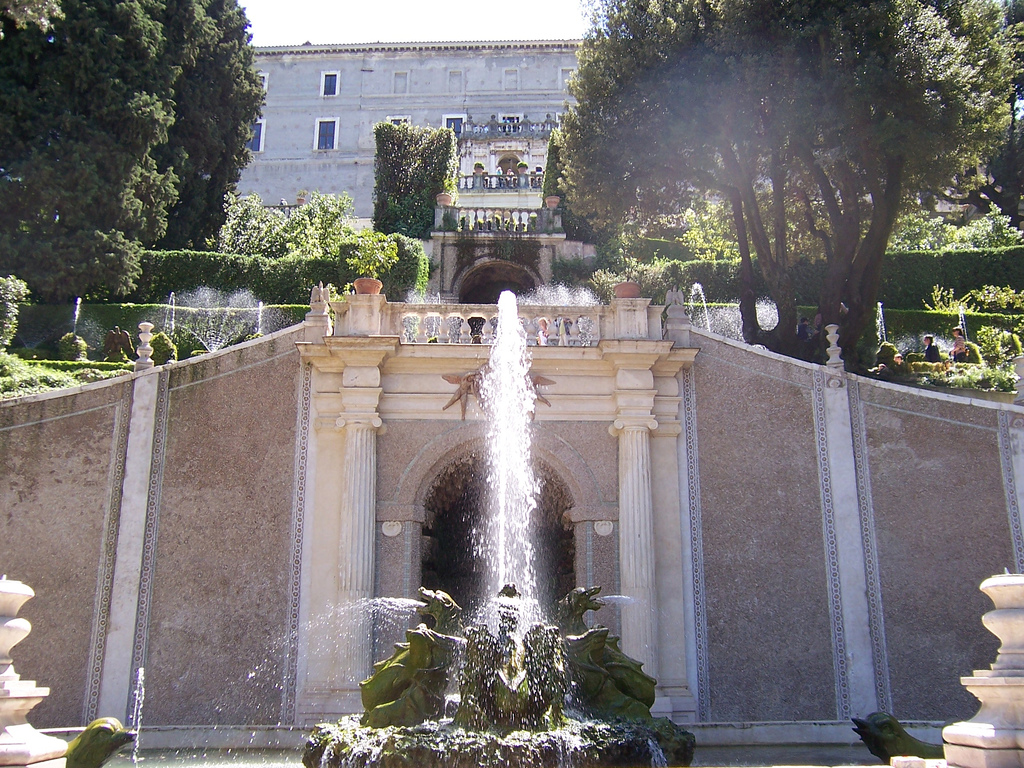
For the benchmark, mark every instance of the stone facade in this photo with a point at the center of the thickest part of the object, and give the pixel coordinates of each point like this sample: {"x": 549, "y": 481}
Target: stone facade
{"x": 792, "y": 535}
{"x": 316, "y": 132}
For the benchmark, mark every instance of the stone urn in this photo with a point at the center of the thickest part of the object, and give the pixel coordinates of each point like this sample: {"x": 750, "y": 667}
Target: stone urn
{"x": 628, "y": 289}
{"x": 20, "y": 743}
{"x": 444, "y": 200}
{"x": 367, "y": 286}
{"x": 994, "y": 738}
{"x": 552, "y": 201}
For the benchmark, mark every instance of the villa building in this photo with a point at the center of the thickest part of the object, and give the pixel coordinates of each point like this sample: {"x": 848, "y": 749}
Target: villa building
{"x": 500, "y": 98}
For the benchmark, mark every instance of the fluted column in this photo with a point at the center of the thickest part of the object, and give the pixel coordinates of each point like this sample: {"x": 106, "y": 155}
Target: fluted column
{"x": 356, "y": 550}
{"x": 636, "y": 541}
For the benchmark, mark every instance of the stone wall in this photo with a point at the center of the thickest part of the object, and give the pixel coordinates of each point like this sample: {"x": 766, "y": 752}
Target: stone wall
{"x": 819, "y": 561}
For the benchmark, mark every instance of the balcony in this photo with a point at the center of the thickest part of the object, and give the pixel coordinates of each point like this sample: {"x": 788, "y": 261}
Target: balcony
{"x": 484, "y": 182}
{"x": 516, "y": 220}
{"x": 504, "y": 129}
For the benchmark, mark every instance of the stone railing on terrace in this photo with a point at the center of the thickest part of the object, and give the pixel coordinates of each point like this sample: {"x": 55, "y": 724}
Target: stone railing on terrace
{"x": 566, "y": 326}
{"x": 520, "y": 220}
{"x": 497, "y": 182}
{"x": 496, "y": 129}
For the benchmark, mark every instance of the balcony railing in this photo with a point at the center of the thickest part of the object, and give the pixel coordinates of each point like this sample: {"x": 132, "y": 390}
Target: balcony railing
{"x": 484, "y": 182}
{"x": 517, "y": 220}
{"x": 499, "y": 129}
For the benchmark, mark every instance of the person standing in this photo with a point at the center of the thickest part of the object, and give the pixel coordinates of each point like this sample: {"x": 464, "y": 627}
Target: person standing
{"x": 931, "y": 352}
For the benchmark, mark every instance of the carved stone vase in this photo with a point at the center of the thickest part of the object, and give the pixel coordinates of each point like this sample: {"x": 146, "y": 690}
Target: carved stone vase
{"x": 20, "y": 743}
{"x": 994, "y": 738}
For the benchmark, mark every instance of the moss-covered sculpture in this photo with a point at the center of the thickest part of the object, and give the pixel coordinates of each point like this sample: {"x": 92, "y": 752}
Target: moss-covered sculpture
{"x": 100, "y": 740}
{"x": 511, "y": 697}
{"x": 885, "y": 737}
{"x": 408, "y": 688}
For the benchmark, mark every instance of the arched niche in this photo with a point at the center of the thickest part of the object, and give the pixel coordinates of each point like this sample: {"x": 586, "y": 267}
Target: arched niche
{"x": 484, "y": 281}
{"x": 455, "y": 542}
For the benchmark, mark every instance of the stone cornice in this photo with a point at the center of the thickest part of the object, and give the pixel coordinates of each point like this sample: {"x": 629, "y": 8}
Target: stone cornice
{"x": 564, "y": 46}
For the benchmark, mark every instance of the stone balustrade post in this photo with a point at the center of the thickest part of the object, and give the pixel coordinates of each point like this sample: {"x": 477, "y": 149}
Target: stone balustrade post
{"x": 631, "y": 321}
{"x": 144, "y": 350}
{"x": 1018, "y": 364}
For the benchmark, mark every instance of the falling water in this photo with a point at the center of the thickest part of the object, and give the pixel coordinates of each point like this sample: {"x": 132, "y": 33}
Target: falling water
{"x": 963, "y": 322}
{"x": 697, "y": 293}
{"x": 880, "y": 323}
{"x": 136, "y": 720}
{"x": 508, "y": 399}
{"x": 259, "y": 318}
{"x": 78, "y": 309}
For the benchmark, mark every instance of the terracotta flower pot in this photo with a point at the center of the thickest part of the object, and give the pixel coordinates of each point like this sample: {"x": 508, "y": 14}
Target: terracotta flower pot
{"x": 367, "y": 286}
{"x": 444, "y": 200}
{"x": 627, "y": 290}
{"x": 552, "y": 201}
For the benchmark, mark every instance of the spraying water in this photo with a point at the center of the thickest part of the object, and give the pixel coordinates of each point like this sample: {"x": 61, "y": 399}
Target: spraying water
{"x": 259, "y": 318}
{"x": 880, "y": 324}
{"x": 697, "y": 294}
{"x": 169, "y": 315}
{"x": 508, "y": 399}
{"x": 78, "y": 309}
{"x": 963, "y": 322}
{"x": 136, "y": 719}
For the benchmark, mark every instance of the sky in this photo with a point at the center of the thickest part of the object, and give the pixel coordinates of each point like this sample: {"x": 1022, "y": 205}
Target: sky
{"x": 293, "y": 22}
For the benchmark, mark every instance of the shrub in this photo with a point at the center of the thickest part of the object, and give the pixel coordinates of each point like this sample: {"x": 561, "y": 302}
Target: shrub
{"x": 968, "y": 376}
{"x": 12, "y": 293}
{"x": 997, "y": 346}
{"x": 411, "y": 166}
{"x": 163, "y": 348}
{"x": 375, "y": 255}
{"x": 72, "y": 347}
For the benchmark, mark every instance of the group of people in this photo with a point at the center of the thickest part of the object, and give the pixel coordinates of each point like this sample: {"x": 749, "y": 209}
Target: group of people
{"x": 957, "y": 352}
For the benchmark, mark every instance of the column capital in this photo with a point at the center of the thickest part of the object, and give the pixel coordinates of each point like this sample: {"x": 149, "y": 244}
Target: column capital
{"x": 632, "y": 424}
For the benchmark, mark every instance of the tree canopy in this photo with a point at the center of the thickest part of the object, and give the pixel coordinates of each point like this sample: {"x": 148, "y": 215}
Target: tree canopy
{"x": 107, "y": 120}
{"x": 818, "y": 115}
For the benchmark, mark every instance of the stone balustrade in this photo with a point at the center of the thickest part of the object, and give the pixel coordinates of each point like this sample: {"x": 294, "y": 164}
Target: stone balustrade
{"x": 515, "y": 220}
{"x": 483, "y": 182}
{"x": 477, "y": 323}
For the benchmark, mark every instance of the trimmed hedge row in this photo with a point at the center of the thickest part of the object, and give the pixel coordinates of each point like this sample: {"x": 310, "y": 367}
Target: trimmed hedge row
{"x": 274, "y": 281}
{"x": 907, "y": 277}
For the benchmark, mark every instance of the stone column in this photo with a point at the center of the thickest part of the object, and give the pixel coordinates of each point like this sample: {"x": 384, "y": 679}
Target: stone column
{"x": 356, "y": 546}
{"x": 636, "y": 541}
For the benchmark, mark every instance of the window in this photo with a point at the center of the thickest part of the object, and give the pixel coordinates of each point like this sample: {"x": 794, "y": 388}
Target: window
{"x": 401, "y": 82}
{"x": 264, "y": 77}
{"x": 256, "y": 142}
{"x": 455, "y": 81}
{"x": 326, "y": 133}
{"x": 566, "y": 74}
{"x": 329, "y": 83}
{"x": 455, "y": 123}
{"x": 511, "y": 79}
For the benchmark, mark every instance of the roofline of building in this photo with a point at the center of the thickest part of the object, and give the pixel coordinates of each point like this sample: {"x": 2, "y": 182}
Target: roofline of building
{"x": 309, "y": 48}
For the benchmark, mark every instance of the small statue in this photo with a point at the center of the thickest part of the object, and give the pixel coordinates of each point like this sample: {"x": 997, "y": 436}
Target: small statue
{"x": 674, "y": 296}
{"x": 118, "y": 346}
{"x": 469, "y": 384}
{"x": 885, "y": 737}
{"x": 100, "y": 740}
{"x": 570, "y": 609}
{"x": 319, "y": 296}
{"x": 540, "y": 381}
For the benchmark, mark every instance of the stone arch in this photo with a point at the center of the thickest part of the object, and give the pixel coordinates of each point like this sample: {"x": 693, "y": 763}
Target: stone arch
{"x": 482, "y": 282}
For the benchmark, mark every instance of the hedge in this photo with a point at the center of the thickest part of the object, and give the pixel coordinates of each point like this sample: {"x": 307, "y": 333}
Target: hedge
{"x": 273, "y": 281}
{"x": 907, "y": 277}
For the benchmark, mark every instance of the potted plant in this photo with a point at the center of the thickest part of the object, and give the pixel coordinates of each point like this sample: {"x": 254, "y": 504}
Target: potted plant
{"x": 300, "y": 198}
{"x": 552, "y": 201}
{"x": 444, "y": 199}
{"x": 478, "y": 168}
{"x": 375, "y": 254}
{"x": 629, "y": 286}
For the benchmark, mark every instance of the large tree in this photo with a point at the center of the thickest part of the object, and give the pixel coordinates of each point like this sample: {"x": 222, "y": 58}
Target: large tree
{"x": 821, "y": 113}
{"x": 82, "y": 107}
{"x": 121, "y": 126}
{"x": 217, "y": 97}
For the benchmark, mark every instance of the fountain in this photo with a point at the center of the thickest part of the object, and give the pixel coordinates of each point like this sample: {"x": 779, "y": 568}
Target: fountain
{"x": 697, "y": 293}
{"x": 880, "y": 324}
{"x": 534, "y": 687}
{"x": 74, "y": 319}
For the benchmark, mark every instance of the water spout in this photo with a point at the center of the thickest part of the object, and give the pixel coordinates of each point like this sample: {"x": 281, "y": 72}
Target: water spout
{"x": 697, "y": 293}
{"x": 508, "y": 399}
{"x": 74, "y": 320}
{"x": 135, "y": 723}
{"x": 963, "y": 322}
{"x": 880, "y": 324}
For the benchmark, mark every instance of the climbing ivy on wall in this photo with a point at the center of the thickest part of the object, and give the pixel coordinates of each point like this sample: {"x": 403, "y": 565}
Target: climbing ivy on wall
{"x": 411, "y": 167}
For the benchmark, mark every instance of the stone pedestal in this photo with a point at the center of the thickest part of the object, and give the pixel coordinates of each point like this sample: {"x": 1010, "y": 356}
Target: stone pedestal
{"x": 994, "y": 738}
{"x": 20, "y": 743}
